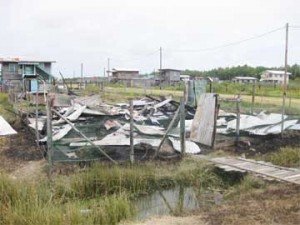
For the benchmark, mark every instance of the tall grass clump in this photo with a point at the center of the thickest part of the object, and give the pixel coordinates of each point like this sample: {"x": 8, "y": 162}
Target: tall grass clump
{"x": 288, "y": 156}
{"x": 6, "y": 108}
{"x": 202, "y": 177}
{"x": 38, "y": 203}
{"x": 106, "y": 180}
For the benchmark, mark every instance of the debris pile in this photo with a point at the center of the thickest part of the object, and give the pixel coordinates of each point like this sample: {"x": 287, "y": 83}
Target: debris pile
{"x": 108, "y": 126}
{"x": 260, "y": 124}
{"x": 85, "y": 127}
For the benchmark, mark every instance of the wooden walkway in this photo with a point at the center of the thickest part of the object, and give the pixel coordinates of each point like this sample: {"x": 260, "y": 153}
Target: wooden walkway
{"x": 261, "y": 168}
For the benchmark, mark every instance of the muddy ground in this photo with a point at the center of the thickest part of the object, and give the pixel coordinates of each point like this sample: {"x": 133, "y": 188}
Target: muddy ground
{"x": 17, "y": 150}
{"x": 257, "y": 145}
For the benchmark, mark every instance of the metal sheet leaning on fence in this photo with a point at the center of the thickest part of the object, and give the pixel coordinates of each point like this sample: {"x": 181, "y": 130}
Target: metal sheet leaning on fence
{"x": 203, "y": 126}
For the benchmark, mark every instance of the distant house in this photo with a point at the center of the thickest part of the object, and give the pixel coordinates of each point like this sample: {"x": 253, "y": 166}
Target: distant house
{"x": 169, "y": 76}
{"x": 25, "y": 72}
{"x": 274, "y": 76}
{"x": 124, "y": 74}
{"x": 244, "y": 80}
{"x": 184, "y": 77}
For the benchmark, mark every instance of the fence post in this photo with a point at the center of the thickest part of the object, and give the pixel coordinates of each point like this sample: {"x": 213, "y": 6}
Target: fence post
{"x": 37, "y": 114}
{"x": 167, "y": 132}
{"x": 49, "y": 132}
{"x": 238, "y": 100}
{"x": 131, "y": 133}
{"x": 182, "y": 126}
{"x": 215, "y": 120}
{"x": 253, "y": 98}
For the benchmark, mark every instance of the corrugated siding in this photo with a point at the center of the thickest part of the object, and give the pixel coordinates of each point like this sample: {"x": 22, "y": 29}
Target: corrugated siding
{"x": 203, "y": 124}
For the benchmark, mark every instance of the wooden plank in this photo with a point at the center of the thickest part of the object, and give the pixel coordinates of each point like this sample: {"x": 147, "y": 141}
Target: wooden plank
{"x": 260, "y": 168}
{"x": 287, "y": 173}
{"x": 293, "y": 176}
{"x": 268, "y": 164}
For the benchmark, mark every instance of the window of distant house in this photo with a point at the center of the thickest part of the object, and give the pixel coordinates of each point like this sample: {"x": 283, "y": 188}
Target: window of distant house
{"x": 29, "y": 70}
{"x": 42, "y": 65}
{"x": 12, "y": 67}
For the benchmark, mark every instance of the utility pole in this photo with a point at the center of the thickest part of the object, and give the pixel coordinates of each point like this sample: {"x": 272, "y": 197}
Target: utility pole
{"x": 81, "y": 75}
{"x": 160, "y": 58}
{"x": 160, "y": 66}
{"x": 285, "y": 76}
{"x": 108, "y": 62}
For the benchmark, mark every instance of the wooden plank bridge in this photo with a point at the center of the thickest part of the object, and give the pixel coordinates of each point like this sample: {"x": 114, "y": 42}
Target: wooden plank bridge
{"x": 260, "y": 168}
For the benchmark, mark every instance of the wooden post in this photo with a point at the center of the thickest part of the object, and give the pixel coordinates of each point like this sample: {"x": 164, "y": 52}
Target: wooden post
{"x": 215, "y": 121}
{"x": 185, "y": 91}
{"x": 182, "y": 126}
{"x": 102, "y": 86}
{"x": 167, "y": 131}
{"x": 49, "y": 132}
{"x": 37, "y": 114}
{"x": 131, "y": 133}
{"x": 238, "y": 101}
{"x": 253, "y": 98}
{"x": 285, "y": 77}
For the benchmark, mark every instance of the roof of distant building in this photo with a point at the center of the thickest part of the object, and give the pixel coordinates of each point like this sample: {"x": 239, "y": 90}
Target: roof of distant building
{"x": 124, "y": 70}
{"x": 277, "y": 72}
{"x": 167, "y": 69}
{"x": 245, "y": 78}
{"x": 21, "y": 60}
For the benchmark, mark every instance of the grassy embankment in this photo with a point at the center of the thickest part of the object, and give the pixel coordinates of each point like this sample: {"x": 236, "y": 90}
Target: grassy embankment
{"x": 102, "y": 194}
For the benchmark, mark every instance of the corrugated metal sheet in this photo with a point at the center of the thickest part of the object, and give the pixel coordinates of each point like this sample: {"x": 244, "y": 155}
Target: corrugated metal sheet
{"x": 203, "y": 123}
{"x": 191, "y": 147}
{"x": 5, "y": 128}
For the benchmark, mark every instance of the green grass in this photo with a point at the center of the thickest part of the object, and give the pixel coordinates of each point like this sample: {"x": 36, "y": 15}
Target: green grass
{"x": 6, "y": 108}
{"x": 39, "y": 203}
{"x": 260, "y": 89}
{"x": 99, "y": 195}
{"x": 288, "y": 156}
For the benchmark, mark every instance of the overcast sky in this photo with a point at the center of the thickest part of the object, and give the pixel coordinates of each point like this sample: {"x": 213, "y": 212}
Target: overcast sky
{"x": 130, "y": 32}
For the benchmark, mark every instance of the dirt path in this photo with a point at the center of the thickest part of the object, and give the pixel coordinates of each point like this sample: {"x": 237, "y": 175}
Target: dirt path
{"x": 170, "y": 220}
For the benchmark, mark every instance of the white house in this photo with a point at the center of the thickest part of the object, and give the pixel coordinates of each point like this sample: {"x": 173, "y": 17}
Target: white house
{"x": 244, "y": 79}
{"x": 274, "y": 76}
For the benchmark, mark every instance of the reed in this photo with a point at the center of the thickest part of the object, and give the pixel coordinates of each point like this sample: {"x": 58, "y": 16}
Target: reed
{"x": 37, "y": 203}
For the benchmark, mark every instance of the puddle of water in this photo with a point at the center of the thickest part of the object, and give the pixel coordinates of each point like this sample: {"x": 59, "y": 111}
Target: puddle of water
{"x": 177, "y": 199}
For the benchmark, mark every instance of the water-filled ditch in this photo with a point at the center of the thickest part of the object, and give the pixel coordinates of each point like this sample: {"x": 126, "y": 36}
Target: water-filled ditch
{"x": 172, "y": 201}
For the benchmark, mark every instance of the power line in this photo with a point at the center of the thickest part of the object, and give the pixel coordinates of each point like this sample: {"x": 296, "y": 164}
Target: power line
{"x": 139, "y": 58}
{"x": 229, "y": 44}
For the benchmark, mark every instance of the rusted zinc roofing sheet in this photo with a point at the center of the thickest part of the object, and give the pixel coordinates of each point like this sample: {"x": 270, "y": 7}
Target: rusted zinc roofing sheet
{"x": 5, "y": 128}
